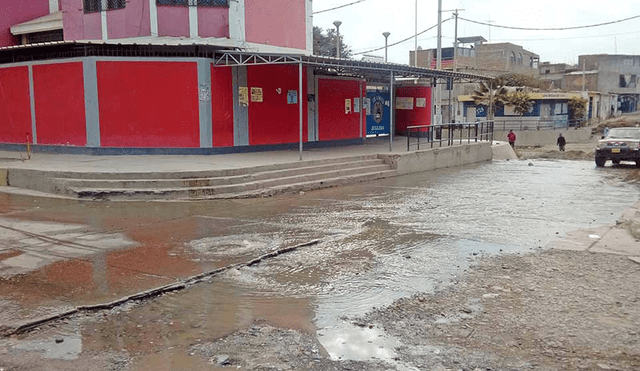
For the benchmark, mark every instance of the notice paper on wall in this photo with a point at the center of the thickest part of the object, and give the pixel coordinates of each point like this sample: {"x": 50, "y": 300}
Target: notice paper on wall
{"x": 404, "y": 103}
{"x": 292, "y": 97}
{"x": 421, "y": 102}
{"x": 256, "y": 94}
{"x": 356, "y": 105}
{"x": 243, "y": 96}
{"x": 347, "y": 106}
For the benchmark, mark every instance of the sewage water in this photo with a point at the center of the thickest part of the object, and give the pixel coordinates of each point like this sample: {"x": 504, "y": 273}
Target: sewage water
{"x": 379, "y": 241}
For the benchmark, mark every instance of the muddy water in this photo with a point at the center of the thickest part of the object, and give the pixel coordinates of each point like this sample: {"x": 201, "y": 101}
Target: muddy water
{"x": 380, "y": 241}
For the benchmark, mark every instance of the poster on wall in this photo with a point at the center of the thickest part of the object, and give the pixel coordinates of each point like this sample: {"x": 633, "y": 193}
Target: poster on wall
{"x": 421, "y": 102}
{"x": 256, "y": 94}
{"x": 509, "y": 110}
{"x": 292, "y": 97}
{"x": 367, "y": 105}
{"x": 243, "y": 96}
{"x": 347, "y": 106}
{"x": 356, "y": 105}
{"x": 204, "y": 93}
{"x": 404, "y": 103}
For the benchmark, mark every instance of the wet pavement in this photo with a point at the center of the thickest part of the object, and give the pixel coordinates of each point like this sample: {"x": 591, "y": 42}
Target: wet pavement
{"x": 379, "y": 241}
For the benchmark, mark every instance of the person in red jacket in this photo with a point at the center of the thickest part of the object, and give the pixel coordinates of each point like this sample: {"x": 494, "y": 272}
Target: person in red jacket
{"x": 512, "y": 138}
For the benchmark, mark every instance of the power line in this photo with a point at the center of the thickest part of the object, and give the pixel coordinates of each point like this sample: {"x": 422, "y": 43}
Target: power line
{"x": 338, "y": 7}
{"x": 576, "y": 37}
{"x": 550, "y": 29}
{"x": 401, "y": 41}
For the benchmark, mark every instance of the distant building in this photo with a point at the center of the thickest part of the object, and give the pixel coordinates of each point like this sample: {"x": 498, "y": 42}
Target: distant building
{"x": 481, "y": 58}
{"x": 474, "y": 56}
{"x": 613, "y": 74}
{"x": 554, "y": 73}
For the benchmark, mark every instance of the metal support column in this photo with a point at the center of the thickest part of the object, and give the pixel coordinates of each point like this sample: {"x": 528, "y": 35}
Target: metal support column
{"x": 392, "y": 111}
{"x": 300, "y": 104}
{"x": 361, "y": 109}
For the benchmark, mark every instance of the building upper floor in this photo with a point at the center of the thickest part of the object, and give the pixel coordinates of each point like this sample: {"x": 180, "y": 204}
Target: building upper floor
{"x": 276, "y": 26}
{"x": 487, "y": 59}
{"x": 619, "y": 74}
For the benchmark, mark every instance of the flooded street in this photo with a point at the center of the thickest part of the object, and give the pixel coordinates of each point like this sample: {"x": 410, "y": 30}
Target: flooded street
{"x": 379, "y": 242}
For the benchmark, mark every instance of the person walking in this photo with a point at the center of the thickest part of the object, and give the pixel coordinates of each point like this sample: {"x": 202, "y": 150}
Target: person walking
{"x": 512, "y": 138}
{"x": 561, "y": 142}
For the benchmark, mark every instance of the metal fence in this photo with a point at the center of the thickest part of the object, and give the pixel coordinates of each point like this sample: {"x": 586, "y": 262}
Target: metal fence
{"x": 430, "y": 136}
{"x": 525, "y": 124}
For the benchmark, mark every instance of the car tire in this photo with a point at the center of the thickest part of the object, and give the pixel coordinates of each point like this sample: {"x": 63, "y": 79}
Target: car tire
{"x": 600, "y": 161}
{"x": 638, "y": 164}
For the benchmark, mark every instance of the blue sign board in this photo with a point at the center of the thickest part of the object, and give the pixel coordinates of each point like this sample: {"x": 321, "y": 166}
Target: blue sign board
{"x": 378, "y": 112}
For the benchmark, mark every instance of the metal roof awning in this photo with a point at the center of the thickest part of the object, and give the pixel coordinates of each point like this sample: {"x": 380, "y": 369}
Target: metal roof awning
{"x": 225, "y": 56}
{"x": 472, "y": 39}
{"x": 371, "y": 71}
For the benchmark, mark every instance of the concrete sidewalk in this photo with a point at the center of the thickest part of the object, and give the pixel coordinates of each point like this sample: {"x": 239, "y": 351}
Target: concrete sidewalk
{"x": 237, "y": 175}
{"x": 182, "y": 163}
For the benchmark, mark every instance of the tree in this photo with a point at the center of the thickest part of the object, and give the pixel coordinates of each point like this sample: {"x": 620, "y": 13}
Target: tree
{"x": 520, "y": 101}
{"x": 520, "y": 80}
{"x": 577, "y": 108}
{"x": 324, "y": 45}
{"x": 492, "y": 94}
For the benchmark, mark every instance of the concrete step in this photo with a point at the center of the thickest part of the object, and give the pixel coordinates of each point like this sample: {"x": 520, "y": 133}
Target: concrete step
{"x": 166, "y": 174}
{"x": 252, "y": 189}
{"x": 215, "y": 180}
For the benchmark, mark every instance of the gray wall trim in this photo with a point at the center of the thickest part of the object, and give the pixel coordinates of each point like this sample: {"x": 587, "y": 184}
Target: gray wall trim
{"x": 240, "y": 114}
{"x": 32, "y": 99}
{"x": 312, "y": 122}
{"x": 204, "y": 101}
{"x": 92, "y": 109}
{"x": 36, "y": 63}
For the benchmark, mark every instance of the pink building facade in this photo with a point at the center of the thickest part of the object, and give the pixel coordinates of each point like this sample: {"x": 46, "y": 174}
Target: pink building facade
{"x": 277, "y": 26}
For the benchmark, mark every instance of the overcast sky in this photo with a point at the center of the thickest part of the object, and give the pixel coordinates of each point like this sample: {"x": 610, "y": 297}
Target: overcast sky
{"x": 363, "y": 24}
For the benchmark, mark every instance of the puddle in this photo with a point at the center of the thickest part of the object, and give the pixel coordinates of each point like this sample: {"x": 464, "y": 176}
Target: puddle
{"x": 65, "y": 348}
{"x": 380, "y": 241}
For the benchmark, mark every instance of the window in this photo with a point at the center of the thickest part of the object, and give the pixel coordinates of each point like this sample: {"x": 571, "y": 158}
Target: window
{"x": 512, "y": 58}
{"x": 628, "y": 81}
{"x": 520, "y": 59}
{"x": 42, "y": 37}
{"x": 100, "y": 5}
{"x": 194, "y": 2}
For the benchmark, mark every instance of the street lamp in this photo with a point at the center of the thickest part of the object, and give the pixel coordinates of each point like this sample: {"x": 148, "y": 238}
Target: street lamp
{"x": 337, "y": 24}
{"x": 386, "y": 36}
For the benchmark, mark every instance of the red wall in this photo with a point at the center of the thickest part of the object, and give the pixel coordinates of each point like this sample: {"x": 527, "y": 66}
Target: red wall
{"x": 276, "y": 22}
{"x": 213, "y": 21}
{"x": 222, "y": 106}
{"x": 173, "y": 21}
{"x": 15, "y": 105}
{"x": 333, "y": 122}
{"x": 13, "y": 12}
{"x": 273, "y": 121}
{"x": 132, "y": 21}
{"x": 79, "y": 25}
{"x": 59, "y": 101}
{"x": 148, "y": 104}
{"x": 418, "y": 115}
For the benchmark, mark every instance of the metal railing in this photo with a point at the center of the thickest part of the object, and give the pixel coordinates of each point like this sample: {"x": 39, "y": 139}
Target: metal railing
{"x": 449, "y": 134}
{"x": 525, "y": 124}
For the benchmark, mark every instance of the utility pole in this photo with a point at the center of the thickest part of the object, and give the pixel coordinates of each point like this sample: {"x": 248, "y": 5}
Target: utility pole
{"x": 415, "y": 53}
{"x": 439, "y": 65}
{"x": 584, "y": 73}
{"x": 455, "y": 43}
{"x": 337, "y": 24}
{"x": 386, "y": 36}
{"x": 439, "y": 53}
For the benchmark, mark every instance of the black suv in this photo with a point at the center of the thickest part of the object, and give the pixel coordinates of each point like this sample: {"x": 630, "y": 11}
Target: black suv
{"x": 620, "y": 144}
